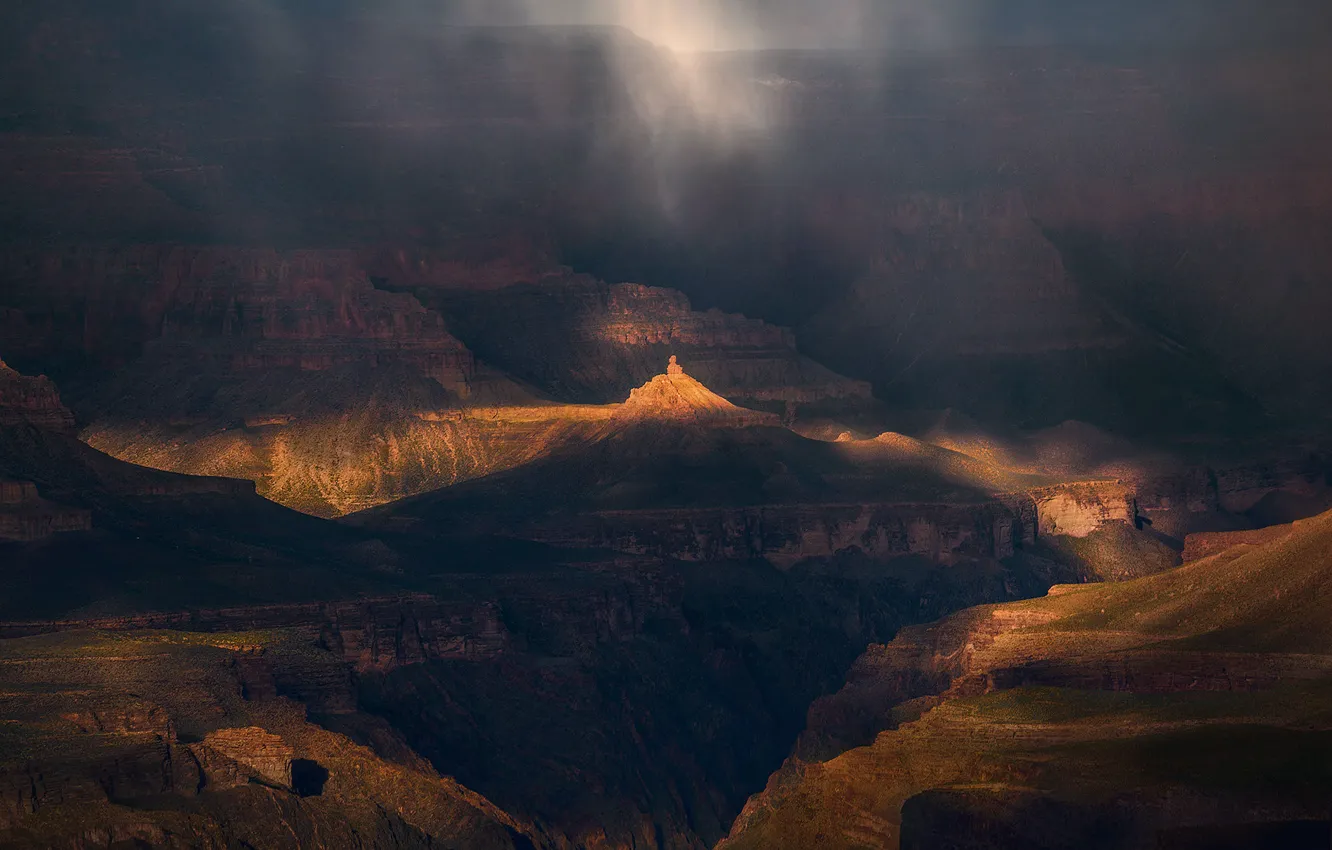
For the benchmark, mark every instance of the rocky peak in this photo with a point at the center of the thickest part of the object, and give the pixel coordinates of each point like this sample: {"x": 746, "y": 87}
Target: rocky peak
{"x": 676, "y": 397}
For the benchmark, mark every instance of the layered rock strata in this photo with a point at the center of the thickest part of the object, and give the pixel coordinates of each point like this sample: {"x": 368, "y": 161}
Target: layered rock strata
{"x": 370, "y": 634}
{"x": 239, "y": 309}
{"x": 788, "y": 534}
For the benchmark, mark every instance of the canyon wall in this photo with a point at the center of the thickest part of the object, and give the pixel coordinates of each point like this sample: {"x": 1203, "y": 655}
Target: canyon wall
{"x": 589, "y": 341}
{"x": 237, "y": 310}
{"x": 788, "y": 534}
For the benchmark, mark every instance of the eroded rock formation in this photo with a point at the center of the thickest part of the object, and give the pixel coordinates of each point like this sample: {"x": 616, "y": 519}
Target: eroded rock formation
{"x": 678, "y": 398}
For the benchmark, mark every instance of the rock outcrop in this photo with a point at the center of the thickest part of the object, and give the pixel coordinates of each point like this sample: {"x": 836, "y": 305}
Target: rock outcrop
{"x": 264, "y": 753}
{"x": 32, "y": 401}
{"x": 25, "y": 516}
{"x": 1077, "y": 510}
{"x": 678, "y": 398}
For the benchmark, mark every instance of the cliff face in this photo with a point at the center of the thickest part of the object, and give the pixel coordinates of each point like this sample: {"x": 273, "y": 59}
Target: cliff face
{"x": 236, "y": 309}
{"x": 32, "y": 405}
{"x": 1077, "y": 510}
{"x": 967, "y": 303}
{"x": 785, "y": 535}
{"x": 265, "y": 310}
{"x": 369, "y": 690}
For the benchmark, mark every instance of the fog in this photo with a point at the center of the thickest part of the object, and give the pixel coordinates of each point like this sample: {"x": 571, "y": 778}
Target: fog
{"x": 709, "y": 25}
{"x": 694, "y": 25}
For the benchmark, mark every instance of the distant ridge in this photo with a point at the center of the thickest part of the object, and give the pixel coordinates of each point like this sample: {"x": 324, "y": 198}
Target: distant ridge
{"x": 676, "y": 397}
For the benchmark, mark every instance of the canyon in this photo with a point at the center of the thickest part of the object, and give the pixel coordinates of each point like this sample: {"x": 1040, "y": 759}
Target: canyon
{"x": 631, "y": 644}
{"x": 291, "y": 369}
{"x": 522, "y": 437}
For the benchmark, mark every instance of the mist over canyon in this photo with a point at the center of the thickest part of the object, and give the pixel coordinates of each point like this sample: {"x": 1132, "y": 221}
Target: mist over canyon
{"x": 608, "y": 424}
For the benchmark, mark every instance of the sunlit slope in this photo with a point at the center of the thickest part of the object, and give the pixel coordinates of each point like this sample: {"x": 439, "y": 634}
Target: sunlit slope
{"x": 1270, "y": 598}
{"x": 1107, "y": 715}
{"x": 676, "y": 444}
{"x": 336, "y": 442}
